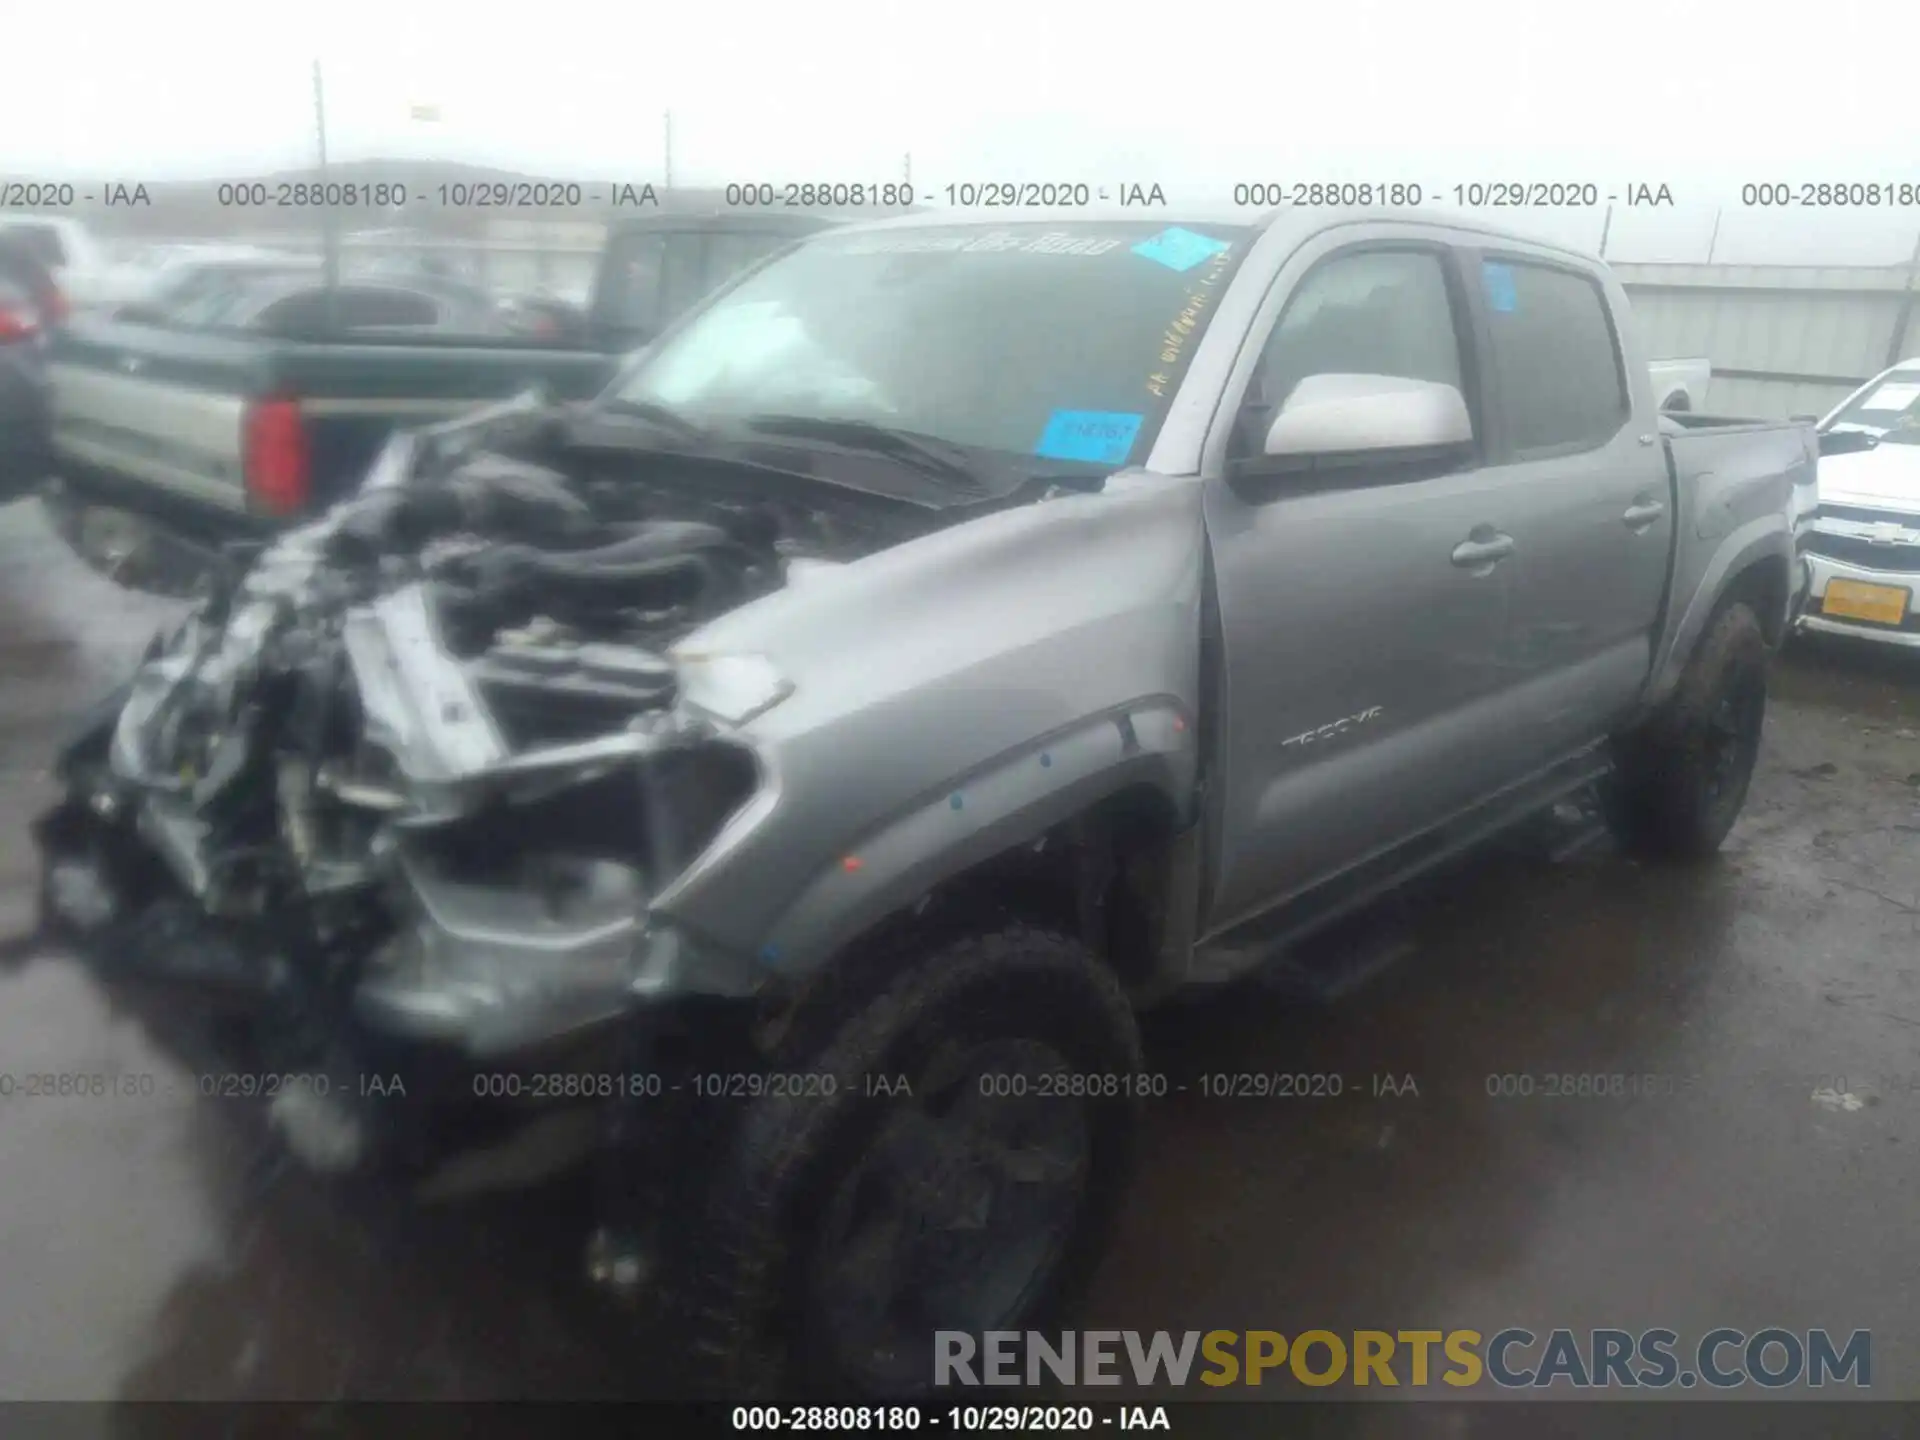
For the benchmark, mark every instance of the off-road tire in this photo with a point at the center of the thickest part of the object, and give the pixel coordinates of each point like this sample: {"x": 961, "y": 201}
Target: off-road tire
{"x": 1675, "y": 793}
{"x": 746, "y": 1328}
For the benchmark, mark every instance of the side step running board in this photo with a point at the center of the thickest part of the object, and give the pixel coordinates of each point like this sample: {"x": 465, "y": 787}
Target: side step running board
{"x": 1273, "y": 938}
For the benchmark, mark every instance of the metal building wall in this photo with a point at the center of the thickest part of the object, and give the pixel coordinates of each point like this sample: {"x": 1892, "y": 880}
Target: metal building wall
{"x": 1784, "y": 339}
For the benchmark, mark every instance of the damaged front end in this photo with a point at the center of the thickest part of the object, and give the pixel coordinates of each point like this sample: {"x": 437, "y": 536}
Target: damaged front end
{"x": 412, "y": 778}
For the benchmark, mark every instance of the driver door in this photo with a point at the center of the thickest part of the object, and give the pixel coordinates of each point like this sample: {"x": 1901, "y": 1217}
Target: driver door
{"x": 1363, "y": 606}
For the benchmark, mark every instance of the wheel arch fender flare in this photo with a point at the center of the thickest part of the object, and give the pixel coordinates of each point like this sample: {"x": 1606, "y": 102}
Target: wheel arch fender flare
{"x": 1754, "y": 564}
{"x": 1015, "y": 801}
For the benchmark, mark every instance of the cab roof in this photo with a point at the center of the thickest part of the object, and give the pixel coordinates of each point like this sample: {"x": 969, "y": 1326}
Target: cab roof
{"x": 1218, "y": 219}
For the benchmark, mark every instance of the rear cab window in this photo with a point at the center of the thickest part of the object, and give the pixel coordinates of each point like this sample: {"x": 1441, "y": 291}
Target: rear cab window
{"x": 683, "y": 273}
{"x": 300, "y": 313}
{"x": 24, "y": 273}
{"x": 647, "y": 278}
{"x": 348, "y": 309}
{"x": 1553, "y": 357}
{"x": 43, "y": 241}
{"x": 731, "y": 251}
{"x": 17, "y": 307}
{"x": 384, "y": 309}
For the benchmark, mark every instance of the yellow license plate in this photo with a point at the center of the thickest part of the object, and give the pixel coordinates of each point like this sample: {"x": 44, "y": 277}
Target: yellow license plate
{"x": 1851, "y": 600}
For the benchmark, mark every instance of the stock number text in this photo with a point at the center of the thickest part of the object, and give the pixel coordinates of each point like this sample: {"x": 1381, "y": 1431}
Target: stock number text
{"x": 294, "y": 194}
{"x": 1067, "y": 1084}
{"x": 764, "y": 195}
{"x": 836, "y": 1418}
{"x": 1838, "y": 194}
{"x": 566, "y": 1085}
{"x": 1327, "y": 192}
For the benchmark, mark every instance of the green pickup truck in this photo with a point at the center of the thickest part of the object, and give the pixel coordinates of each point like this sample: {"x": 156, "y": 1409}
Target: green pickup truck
{"x": 171, "y": 438}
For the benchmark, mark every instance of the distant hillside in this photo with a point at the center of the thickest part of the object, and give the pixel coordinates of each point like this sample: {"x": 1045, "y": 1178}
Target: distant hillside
{"x": 476, "y": 194}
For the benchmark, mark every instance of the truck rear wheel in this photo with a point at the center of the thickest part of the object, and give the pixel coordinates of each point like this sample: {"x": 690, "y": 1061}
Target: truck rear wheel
{"x": 950, "y": 1160}
{"x": 1682, "y": 777}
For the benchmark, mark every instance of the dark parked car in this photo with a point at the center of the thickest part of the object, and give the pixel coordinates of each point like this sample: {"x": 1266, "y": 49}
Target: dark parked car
{"x": 30, "y": 304}
{"x": 260, "y": 403}
{"x": 191, "y": 281}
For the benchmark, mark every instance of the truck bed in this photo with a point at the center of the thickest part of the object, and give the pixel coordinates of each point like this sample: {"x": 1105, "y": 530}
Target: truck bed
{"x": 1680, "y": 385}
{"x": 1746, "y": 460}
{"x": 152, "y": 419}
{"x": 1730, "y": 475}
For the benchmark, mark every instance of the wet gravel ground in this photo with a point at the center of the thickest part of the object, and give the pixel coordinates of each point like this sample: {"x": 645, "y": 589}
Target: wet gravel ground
{"x": 152, "y": 1247}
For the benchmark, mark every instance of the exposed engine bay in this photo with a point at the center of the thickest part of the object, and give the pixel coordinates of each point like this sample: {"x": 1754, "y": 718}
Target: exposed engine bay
{"x": 423, "y": 763}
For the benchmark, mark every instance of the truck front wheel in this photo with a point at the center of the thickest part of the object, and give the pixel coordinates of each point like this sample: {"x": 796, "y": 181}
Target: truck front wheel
{"x": 1682, "y": 776}
{"x": 949, "y": 1161}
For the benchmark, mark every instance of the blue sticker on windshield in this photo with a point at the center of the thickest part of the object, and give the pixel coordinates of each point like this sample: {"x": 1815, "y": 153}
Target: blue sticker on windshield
{"x": 1179, "y": 249}
{"x": 1104, "y": 437}
{"x": 1497, "y": 280}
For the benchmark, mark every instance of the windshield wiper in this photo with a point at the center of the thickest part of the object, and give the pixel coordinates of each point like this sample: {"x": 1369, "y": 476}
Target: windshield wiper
{"x": 665, "y": 416}
{"x": 925, "y": 453}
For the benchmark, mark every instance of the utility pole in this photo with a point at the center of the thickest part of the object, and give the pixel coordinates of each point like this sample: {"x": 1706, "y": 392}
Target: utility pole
{"x": 1606, "y": 228}
{"x": 1898, "y": 342}
{"x": 329, "y": 241}
{"x": 669, "y": 148}
{"x": 1714, "y": 238}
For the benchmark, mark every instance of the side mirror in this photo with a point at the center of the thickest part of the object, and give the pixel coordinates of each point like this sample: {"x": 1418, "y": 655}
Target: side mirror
{"x": 1847, "y": 442}
{"x": 1360, "y": 415}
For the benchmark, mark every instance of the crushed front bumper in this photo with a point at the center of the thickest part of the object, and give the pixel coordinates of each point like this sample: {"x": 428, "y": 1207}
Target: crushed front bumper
{"x": 482, "y": 972}
{"x": 484, "y": 975}
{"x": 453, "y": 981}
{"x": 436, "y": 1052}
{"x": 1825, "y": 569}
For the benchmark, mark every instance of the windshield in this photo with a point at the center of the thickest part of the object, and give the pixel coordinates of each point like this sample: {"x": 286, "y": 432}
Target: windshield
{"x": 1891, "y": 409}
{"x": 1058, "y": 341}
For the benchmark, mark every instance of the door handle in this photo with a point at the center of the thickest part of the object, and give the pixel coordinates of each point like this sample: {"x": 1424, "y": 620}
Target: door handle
{"x": 1642, "y": 513}
{"x": 1483, "y": 554}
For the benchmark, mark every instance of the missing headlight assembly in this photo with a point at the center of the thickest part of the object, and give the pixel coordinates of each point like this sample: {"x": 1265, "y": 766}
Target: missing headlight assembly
{"x": 421, "y": 768}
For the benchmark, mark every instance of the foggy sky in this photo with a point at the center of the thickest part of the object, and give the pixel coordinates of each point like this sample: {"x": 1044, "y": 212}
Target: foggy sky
{"x": 1192, "y": 97}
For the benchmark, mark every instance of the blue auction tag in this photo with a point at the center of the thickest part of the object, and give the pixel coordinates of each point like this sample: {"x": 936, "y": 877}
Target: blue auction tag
{"x": 1179, "y": 249}
{"x": 1104, "y": 437}
{"x": 1498, "y": 282}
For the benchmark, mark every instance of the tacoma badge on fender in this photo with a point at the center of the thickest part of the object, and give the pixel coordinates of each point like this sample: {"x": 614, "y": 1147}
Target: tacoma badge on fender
{"x": 1333, "y": 728}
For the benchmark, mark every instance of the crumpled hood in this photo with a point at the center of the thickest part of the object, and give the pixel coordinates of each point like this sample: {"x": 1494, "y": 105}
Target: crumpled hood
{"x": 859, "y": 636}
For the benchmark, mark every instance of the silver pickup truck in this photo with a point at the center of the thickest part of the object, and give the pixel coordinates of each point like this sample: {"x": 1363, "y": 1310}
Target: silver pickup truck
{"x": 950, "y": 638}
